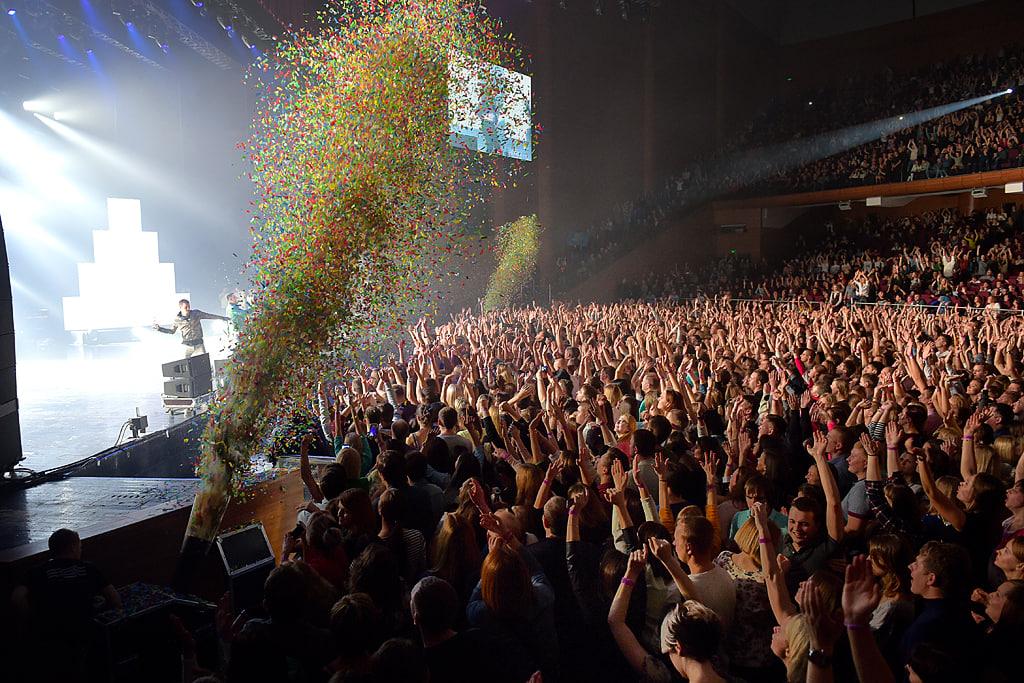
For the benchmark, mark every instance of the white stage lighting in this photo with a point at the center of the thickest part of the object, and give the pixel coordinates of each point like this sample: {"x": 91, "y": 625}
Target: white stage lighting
{"x": 34, "y": 106}
{"x": 126, "y": 286}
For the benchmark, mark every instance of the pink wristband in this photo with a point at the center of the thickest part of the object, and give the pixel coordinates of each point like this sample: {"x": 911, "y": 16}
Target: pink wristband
{"x": 967, "y": 437}
{"x": 763, "y": 541}
{"x": 853, "y": 626}
{"x": 628, "y": 582}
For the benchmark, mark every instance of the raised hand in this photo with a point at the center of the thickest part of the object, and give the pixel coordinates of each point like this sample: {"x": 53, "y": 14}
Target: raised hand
{"x": 619, "y": 475}
{"x": 637, "y": 562}
{"x": 479, "y": 497}
{"x": 819, "y": 445}
{"x": 662, "y": 549}
{"x": 861, "y": 593}
{"x": 892, "y": 435}
{"x": 661, "y": 465}
{"x": 869, "y": 445}
{"x": 825, "y": 625}
{"x": 615, "y": 496}
{"x": 759, "y": 511}
{"x": 973, "y": 423}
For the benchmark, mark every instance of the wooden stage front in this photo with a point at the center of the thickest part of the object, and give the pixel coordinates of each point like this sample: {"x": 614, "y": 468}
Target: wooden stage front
{"x": 132, "y": 528}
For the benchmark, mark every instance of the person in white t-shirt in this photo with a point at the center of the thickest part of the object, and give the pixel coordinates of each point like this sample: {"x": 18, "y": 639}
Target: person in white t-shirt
{"x": 694, "y": 540}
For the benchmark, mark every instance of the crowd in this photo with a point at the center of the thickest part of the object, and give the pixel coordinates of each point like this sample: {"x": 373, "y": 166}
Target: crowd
{"x": 708, "y": 491}
{"x": 938, "y": 258}
{"x": 815, "y": 140}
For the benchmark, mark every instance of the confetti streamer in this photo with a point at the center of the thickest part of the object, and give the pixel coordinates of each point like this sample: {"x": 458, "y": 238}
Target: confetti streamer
{"x": 360, "y": 197}
{"x": 518, "y": 244}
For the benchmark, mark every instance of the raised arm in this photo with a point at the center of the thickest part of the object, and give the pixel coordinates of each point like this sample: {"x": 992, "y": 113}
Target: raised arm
{"x": 968, "y": 463}
{"x": 774, "y": 579}
{"x": 306, "y": 472}
{"x": 944, "y": 505}
{"x": 628, "y": 644}
{"x": 833, "y": 502}
{"x": 662, "y": 549}
{"x": 861, "y": 595}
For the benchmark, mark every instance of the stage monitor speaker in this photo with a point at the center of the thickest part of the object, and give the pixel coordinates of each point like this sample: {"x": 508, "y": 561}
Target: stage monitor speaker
{"x": 188, "y": 388}
{"x": 248, "y": 560}
{"x": 10, "y": 426}
{"x": 186, "y": 368}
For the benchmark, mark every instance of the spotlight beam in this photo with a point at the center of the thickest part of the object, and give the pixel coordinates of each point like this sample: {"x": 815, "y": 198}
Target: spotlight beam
{"x": 758, "y": 164}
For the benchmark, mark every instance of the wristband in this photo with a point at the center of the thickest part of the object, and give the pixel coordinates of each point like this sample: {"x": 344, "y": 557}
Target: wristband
{"x": 548, "y": 482}
{"x": 967, "y": 438}
{"x": 854, "y": 626}
{"x": 626, "y": 581}
{"x": 573, "y": 512}
{"x": 763, "y": 541}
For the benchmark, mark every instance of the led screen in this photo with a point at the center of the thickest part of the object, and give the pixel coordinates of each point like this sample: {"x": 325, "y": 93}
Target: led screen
{"x": 490, "y": 109}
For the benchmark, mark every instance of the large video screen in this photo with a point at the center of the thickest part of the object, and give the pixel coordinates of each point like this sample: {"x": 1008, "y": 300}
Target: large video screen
{"x": 490, "y": 108}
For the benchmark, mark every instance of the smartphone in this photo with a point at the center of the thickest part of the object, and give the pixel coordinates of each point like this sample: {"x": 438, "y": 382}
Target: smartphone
{"x": 373, "y": 431}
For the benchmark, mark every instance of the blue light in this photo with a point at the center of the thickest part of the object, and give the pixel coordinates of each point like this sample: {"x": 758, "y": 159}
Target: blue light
{"x": 130, "y": 25}
{"x": 60, "y": 36}
{"x": 11, "y": 12}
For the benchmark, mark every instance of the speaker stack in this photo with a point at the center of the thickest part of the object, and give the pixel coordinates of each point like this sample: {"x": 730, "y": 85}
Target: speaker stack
{"x": 10, "y": 427}
{"x": 188, "y": 377}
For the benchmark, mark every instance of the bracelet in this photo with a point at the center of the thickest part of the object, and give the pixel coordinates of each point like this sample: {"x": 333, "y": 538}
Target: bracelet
{"x": 573, "y": 512}
{"x": 763, "y": 541}
{"x": 626, "y": 581}
{"x": 966, "y": 437}
{"x": 854, "y": 626}
{"x": 548, "y": 482}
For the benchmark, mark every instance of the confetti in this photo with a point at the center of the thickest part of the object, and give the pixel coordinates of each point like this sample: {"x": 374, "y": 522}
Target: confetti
{"x": 518, "y": 244}
{"x": 360, "y": 197}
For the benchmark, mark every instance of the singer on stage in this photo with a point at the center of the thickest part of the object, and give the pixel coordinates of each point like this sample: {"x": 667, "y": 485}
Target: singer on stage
{"x": 190, "y": 322}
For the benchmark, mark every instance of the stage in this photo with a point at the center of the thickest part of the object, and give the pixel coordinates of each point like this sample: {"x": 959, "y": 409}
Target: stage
{"x": 75, "y": 398}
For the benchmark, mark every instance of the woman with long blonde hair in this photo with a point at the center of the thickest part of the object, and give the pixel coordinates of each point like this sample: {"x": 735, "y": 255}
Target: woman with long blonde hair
{"x": 455, "y": 555}
{"x": 748, "y": 642}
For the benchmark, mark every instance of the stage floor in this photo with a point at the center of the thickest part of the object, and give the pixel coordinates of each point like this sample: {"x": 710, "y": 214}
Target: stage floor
{"x": 74, "y": 400}
{"x": 86, "y": 504}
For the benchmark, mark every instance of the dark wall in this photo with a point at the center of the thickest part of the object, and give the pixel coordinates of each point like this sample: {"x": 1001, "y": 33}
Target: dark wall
{"x": 621, "y": 104}
{"x": 625, "y": 104}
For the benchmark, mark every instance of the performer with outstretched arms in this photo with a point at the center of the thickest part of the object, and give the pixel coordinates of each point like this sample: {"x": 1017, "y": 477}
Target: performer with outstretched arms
{"x": 190, "y": 322}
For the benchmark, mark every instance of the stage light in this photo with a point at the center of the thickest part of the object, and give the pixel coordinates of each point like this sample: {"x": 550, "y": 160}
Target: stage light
{"x": 61, "y": 116}
{"x": 11, "y": 12}
{"x": 60, "y": 36}
{"x": 810, "y": 104}
{"x": 197, "y": 3}
{"x": 245, "y": 41}
{"x": 1009, "y": 91}
{"x": 33, "y": 105}
{"x": 223, "y": 24}
{"x": 129, "y": 25}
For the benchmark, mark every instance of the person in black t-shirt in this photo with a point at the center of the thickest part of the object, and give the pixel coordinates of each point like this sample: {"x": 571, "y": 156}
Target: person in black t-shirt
{"x": 451, "y": 655}
{"x": 58, "y": 601}
{"x": 63, "y": 594}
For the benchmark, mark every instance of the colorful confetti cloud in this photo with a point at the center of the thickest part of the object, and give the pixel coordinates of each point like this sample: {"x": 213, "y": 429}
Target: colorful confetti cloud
{"x": 360, "y": 194}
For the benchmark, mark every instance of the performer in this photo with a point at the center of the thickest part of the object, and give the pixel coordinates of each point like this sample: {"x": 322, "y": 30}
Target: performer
{"x": 237, "y": 310}
{"x": 190, "y": 322}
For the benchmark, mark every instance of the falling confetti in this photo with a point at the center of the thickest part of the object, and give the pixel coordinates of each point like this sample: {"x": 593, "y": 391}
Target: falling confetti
{"x": 361, "y": 197}
{"x": 518, "y": 244}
